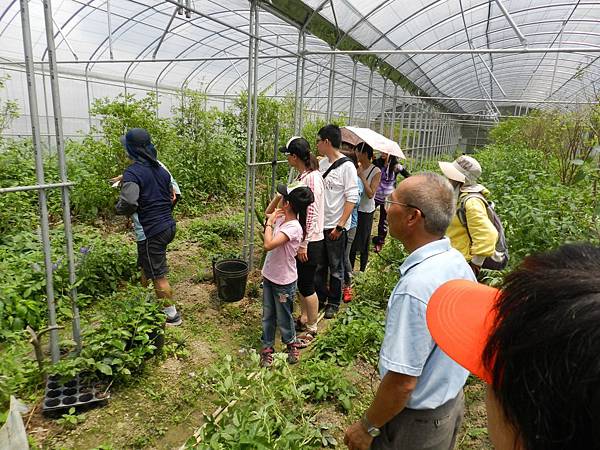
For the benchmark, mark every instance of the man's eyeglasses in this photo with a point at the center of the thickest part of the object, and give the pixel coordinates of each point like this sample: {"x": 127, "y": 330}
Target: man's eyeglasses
{"x": 389, "y": 202}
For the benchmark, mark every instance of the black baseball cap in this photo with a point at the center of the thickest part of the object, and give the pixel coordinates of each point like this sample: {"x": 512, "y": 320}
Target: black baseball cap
{"x": 298, "y": 194}
{"x": 298, "y": 146}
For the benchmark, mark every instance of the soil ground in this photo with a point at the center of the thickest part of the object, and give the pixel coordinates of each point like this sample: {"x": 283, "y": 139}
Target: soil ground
{"x": 166, "y": 404}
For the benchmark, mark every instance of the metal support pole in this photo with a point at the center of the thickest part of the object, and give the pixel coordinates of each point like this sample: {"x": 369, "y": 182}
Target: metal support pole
{"x": 62, "y": 166}
{"x": 302, "y": 68}
{"x": 408, "y": 133}
{"x": 401, "y": 136}
{"x": 382, "y": 115}
{"x": 560, "y": 36}
{"x": 419, "y": 135}
{"x": 394, "y": 106}
{"x": 331, "y": 88}
{"x": 492, "y": 74}
{"x": 298, "y": 87}
{"x": 353, "y": 94}
{"x": 254, "y": 137}
{"x": 110, "y": 43}
{"x": 87, "y": 94}
{"x": 274, "y": 162}
{"x": 369, "y": 100}
{"x": 46, "y": 112}
{"x": 39, "y": 171}
{"x": 429, "y": 135}
{"x": 512, "y": 23}
{"x": 249, "y": 122}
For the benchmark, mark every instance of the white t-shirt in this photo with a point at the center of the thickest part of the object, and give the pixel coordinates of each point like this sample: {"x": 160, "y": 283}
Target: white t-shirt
{"x": 340, "y": 187}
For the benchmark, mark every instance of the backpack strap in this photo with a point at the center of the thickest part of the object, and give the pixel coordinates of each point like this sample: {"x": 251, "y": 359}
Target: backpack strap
{"x": 336, "y": 164}
{"x": 461, "y": 211}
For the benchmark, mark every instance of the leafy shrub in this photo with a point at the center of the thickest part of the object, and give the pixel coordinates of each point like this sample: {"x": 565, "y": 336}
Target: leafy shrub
{"x": 19, "y": 210}
{"x": 323, "y": 381}
{"x": 102, "y": 263}
{"x": 269, "y": 412}
{"x": 120, "y": 339}
{"x": 18, "y": 372}
{"x": 357, "y": 332}
{"x": 225, "y": 227}
{"x": 208, "y": 160}
{"x": 539, "y": 213}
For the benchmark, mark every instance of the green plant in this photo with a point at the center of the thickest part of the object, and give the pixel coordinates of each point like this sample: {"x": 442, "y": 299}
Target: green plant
{"x": 9, "y": 109}
{"x": 71, "y": 419}
{"x": 268, "y": 413}
{"x": 102, "y": 264}
{"x": 208, "y": 162}
{"x": 18, "y": 372}
{"x": 323, "y": 381}
{"x": 121, "y": 340}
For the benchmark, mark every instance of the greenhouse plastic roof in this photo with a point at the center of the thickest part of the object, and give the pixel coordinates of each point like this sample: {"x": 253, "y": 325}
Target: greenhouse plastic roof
{"x": 219, "y": 29}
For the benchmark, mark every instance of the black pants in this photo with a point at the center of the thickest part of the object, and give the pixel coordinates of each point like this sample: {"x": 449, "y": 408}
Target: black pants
{"x": 361, "y": 240}
{"x": 332, "y": 263}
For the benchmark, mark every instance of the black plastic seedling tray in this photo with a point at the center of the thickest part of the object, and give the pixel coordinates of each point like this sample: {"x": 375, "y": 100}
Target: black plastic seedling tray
{"x": 62, "y": 395}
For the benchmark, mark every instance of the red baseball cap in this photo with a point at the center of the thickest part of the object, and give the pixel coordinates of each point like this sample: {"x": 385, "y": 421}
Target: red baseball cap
{"x": 460, "y": 317}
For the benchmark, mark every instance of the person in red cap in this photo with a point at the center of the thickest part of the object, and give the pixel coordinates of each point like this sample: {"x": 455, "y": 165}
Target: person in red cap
{"x": 535, "y": 343}
{"x": 419, "y": 402}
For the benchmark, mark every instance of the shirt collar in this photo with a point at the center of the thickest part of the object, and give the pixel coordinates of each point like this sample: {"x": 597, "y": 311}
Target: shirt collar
{"x": 423, "y": 253}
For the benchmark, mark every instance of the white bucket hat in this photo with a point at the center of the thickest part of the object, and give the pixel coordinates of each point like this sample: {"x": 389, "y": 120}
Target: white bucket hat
{"x": 464, "y": 169}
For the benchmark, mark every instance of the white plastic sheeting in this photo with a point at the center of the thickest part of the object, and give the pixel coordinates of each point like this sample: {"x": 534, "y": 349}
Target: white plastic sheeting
{"x": 218, "y": 30}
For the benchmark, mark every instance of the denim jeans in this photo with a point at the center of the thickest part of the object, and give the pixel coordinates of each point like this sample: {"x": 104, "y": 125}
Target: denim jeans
{"x": 331, "y": 263}
{"x": 278, "y": 300}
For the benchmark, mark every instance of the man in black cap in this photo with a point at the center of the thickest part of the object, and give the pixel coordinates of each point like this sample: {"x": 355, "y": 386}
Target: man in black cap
{"x": 147, "y": 196}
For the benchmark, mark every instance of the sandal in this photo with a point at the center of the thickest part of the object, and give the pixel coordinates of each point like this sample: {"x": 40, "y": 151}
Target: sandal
{"x": 305, "y": 339}
{"x": 299, "y": 325}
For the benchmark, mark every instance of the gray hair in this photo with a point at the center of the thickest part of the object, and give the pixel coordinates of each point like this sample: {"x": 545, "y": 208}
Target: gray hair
{"x": 434, "y": 196}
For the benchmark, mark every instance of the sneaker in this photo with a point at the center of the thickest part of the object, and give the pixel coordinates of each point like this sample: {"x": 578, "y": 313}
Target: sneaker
{"x": 347, "y": 294}
{"x": 293, "y": 353}
{"x": 266, "y": 357}
{"x": 174, "y": 321}
{"x": 330, "y": 311}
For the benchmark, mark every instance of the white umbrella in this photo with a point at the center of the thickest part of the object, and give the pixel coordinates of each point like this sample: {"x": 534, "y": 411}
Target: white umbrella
{"x": 377, "y": 141}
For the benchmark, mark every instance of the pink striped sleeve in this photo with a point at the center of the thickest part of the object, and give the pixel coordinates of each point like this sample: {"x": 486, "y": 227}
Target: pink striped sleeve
{"x": 311, "y": 213}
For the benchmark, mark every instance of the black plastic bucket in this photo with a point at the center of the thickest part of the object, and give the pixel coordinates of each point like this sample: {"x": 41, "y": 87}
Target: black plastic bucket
{"x": 230, "y": 276}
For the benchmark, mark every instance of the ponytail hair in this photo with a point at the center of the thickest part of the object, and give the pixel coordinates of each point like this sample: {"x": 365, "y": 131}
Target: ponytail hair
{"x": 302, "y": 219}
{"x": 301, "y": 212}
{"x": 310, "y": 161}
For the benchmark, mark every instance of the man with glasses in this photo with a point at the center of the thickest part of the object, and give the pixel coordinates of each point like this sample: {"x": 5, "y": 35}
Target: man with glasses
{"x": 340, "y": 196}
{"x": 419, "y": 402}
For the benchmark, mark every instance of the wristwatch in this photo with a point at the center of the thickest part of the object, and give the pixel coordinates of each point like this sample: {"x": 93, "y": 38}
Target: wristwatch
{"x": 339, "y": 228}
{"x": 372, "y": 430}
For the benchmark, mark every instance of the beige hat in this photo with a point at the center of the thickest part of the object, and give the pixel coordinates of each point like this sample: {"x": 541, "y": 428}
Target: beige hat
{"x": 464, "y": 169}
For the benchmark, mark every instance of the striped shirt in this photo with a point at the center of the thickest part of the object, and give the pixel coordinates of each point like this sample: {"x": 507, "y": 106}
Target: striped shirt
{"x": 315, "y": 213}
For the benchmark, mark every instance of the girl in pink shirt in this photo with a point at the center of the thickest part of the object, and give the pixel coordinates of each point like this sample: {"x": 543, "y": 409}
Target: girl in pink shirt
{"x": 284, "y": 231}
